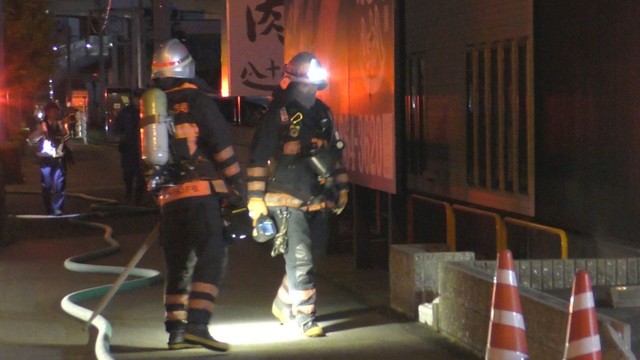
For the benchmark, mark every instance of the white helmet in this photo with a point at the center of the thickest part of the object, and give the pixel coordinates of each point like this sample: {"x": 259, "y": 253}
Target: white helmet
{"x": 304, "y": 68}
{"x": 172, "y": 59}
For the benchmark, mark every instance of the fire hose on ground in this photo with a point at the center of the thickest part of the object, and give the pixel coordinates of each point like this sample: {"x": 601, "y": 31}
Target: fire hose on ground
{"x": 78, "y": 263}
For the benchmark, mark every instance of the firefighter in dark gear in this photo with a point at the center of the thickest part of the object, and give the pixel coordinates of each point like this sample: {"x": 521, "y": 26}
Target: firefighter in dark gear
{"x": 127, "y": 126}
{"x": 51, "y": 138}
{"x": 297, "y": 128}
{"x": 202, "y": 171}
{"x": 71, "y": 121}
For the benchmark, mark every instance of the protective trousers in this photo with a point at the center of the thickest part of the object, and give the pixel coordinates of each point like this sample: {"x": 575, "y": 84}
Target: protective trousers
{"x": 133, "y": 175}
{"x": 195, "y": 257}
{"x": 54, "y": 184}
{"x": 298, "y": 285}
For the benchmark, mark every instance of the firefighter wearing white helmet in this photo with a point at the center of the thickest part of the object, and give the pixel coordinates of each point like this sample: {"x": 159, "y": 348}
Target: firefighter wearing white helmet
{"x": 173, "y": 60}
{"x": 309, "y": 178}
{"x": 197, "y": 171}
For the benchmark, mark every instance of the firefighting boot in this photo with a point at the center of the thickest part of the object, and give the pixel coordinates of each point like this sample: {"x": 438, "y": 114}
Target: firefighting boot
{"x": 312, "y": 329}
{"x": 309, "y": 326}
{"x": 198, "y": 334}
{"x": 177, "y": 341}
{"x": 281, "y": 311}
{"x": 176, "y": 338}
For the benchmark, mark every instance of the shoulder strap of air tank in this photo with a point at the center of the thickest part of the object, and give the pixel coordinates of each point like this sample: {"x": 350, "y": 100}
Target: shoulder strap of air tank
{"x": 183, "y": 87}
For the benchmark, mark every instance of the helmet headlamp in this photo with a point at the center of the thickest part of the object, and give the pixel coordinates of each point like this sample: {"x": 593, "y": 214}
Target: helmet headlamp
{"x": 316, "y": 73}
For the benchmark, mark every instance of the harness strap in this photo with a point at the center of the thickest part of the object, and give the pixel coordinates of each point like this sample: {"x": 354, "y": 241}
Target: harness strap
{"x": 190, "y": 189}
{"x": 286, "y": 200}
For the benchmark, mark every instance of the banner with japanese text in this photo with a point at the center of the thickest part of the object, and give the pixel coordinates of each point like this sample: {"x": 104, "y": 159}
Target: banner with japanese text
{"x": 354, "y": 40}
{"x": 253, "y": 63}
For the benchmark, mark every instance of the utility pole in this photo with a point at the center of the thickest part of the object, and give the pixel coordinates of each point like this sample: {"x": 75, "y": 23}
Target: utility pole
{"x": 101, "y": 78}
{"x": 143, "y": 71}
{"x": 3, "y": 109}
{"x": 69, "y": 77}
{"x": 137, "y": 45}
{"x": 102, "y": 14}
{"x": 161, "y": 22}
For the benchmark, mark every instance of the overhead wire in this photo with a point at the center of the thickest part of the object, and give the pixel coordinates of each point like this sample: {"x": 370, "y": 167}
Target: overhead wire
{"x": 106, "y": 17}
{"x": 105, "y": 22}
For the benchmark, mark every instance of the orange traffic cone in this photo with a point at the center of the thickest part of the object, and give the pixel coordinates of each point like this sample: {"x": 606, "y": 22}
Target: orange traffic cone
{"x": 507, "y": 338}
{"x": 583, "y": 338}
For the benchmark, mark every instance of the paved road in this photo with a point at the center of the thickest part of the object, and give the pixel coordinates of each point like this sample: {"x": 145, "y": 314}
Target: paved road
{"x": 352, "y": 303}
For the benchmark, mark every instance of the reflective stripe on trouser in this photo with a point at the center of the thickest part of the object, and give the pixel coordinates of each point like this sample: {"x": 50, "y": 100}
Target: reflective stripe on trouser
{"x": 299, "y": 266}
{"x": 202, "y": 299}
{"x": 283, "y": 292}
{"x": 283, "y": 301}
{"x": 175, "y": 306}
{"x": 195, "y": 256}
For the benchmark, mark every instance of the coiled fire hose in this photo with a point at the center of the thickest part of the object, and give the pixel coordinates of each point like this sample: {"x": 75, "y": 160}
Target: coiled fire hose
{"x": 69, "y": 303}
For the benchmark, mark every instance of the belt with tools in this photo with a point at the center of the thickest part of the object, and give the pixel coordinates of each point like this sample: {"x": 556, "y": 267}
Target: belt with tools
{"x": 286, "y": 200}
{"x": 190, "y": 189}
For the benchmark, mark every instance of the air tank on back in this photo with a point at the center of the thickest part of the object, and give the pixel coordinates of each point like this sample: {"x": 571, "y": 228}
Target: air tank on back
{"x": 154, "y": 128}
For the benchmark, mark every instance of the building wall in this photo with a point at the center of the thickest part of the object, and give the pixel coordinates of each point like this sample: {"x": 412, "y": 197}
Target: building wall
{"x": 585, "y": 66}
{"x": 588, "y": 124}
{"x": 211, "y": 9}
{"x": 441, "y": 32}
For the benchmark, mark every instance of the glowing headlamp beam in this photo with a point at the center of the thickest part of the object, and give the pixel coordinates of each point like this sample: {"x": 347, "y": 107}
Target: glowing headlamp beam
{"x": 316, "y": 72}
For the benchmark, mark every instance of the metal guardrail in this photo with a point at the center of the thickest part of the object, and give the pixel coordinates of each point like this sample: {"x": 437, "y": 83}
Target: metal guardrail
{"x": 461, "y": 227}
{"x": 528, "y": 240}
{"x": 468, "y": 238}
{"x": 448, "y": 222}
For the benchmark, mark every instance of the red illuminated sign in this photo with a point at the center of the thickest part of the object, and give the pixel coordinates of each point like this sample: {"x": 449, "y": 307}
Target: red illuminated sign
{"x": 354, "y": 40}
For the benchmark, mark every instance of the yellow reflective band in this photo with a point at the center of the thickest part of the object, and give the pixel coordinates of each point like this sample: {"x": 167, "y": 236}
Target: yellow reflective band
{"x": 231, "y": 170}
{"x": 257, "y": 172}
{"x": 224, "y": 154}
{"x": 256, "y": 186}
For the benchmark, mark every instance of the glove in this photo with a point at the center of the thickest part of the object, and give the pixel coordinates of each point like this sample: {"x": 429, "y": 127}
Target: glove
{"x": 343, "y": 198}
{"x": 256, "y": 207}
{"x": 238, "y": 193}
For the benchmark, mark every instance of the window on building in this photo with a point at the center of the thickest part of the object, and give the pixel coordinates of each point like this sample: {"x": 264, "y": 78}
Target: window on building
{"x": 499, "y": 116}
{"x": 416, "y": 113}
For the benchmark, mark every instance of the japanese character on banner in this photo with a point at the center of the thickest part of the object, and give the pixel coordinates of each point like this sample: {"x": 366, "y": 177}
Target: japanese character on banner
{"x": 261, "y": 78}
{"x": 264, "y": 19}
